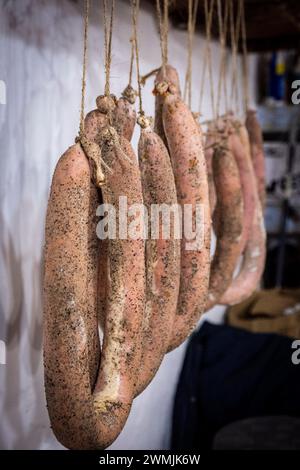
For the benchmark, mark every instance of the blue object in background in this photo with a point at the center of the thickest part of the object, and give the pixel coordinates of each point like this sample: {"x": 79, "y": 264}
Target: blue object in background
{"x": 277, "y": 79}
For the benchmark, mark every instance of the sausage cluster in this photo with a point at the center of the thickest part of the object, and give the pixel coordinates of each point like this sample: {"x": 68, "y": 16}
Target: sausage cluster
{"x": 146, "y": 293}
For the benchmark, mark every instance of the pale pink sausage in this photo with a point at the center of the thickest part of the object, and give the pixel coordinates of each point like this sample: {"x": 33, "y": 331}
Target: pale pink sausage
{"x": 124, "y": 116}
{"x": 162, "y": 255}
{"x": 257, "y": 153}
{"x": 172, "y": 79}
{"x": 71, "y": 343}
{"x": 229, "y": 228}
{"x": 253, "y": 263}
{"x": 208, "y": 152}
{"x": 94, "y": 123}
{"x": 239, "y": 145}
{"x": 121, "y": 352}
{"x": 189, "y": 167}
{"x": 83, "y": 418}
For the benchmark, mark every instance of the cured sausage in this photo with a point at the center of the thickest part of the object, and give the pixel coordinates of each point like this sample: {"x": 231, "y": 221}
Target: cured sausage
{"x": 208, "y": 152}
{"x": 71, "y": 343}
{"x": 121, "y": 352}
{"x": 124, "y": 116}
{"x": 253, "y": 263}
{"x": 164, "y": 80}
{"x": 97, "y": 119}
{"x": 229, "y": 208}
{"x": 189, "y": 167}
{"x": 257, "y": 153}
{"x": 240, "y": 146}
{"x": 162, "y": 253}
{"x": 83, "y": 416}
{"x": 94, "y": 123}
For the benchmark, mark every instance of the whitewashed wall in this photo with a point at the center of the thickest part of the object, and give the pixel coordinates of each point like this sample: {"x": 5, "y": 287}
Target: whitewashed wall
{"x": 40, "y": 63}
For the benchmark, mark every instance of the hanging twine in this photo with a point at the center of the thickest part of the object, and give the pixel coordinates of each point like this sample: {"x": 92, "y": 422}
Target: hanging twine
{"x": 166, "y": 29}
{"x": 134, "y": 9}
{"x": 163, "y": 28}
{"x": 142, "y": 120}
{"x": 207, "y": 63}
{"x": 90, "y": 148}
{"x": 188, "y": 69}
{"x": 192, "y": 17}
{"x": 131, "y": 62}
{"x": 245, "y": 57}
{"x": 129, "y": 93}
{"x": 237, "y": 39}
{"x": 108, "y": 136}
{"x": 163, "y": 25}
{"x": 235, "y": 32}
{"x": 108, "y": 29}
{"x": 226, "y": 29}
{"x": 233, "y": 56}
{"x": 84, "y": 65}
{"x": 222, "y": 35}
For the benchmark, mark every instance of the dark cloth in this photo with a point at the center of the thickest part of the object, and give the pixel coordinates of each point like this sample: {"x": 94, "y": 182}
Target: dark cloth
{"x": 231, "y": 374}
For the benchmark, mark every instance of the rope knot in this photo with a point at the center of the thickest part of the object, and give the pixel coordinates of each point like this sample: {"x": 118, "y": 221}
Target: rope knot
{"x": 144, "y": 121}
{"x": 106, "y": 104}
{"x": 129, "y": 94}
{"x": 109, "y": 137}
{"x": 162, "y": 88}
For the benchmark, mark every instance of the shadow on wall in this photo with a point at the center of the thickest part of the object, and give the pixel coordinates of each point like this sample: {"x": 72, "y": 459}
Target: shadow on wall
{"x": 19, "y": 24}
{"x": 15, "y": 328}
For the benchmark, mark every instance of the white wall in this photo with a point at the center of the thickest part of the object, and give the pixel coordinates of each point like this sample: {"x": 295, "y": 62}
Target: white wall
{"x": 40, "y": 63}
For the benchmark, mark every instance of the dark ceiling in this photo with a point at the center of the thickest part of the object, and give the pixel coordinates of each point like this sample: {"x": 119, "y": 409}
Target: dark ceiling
{"x": 270, "y": 24}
